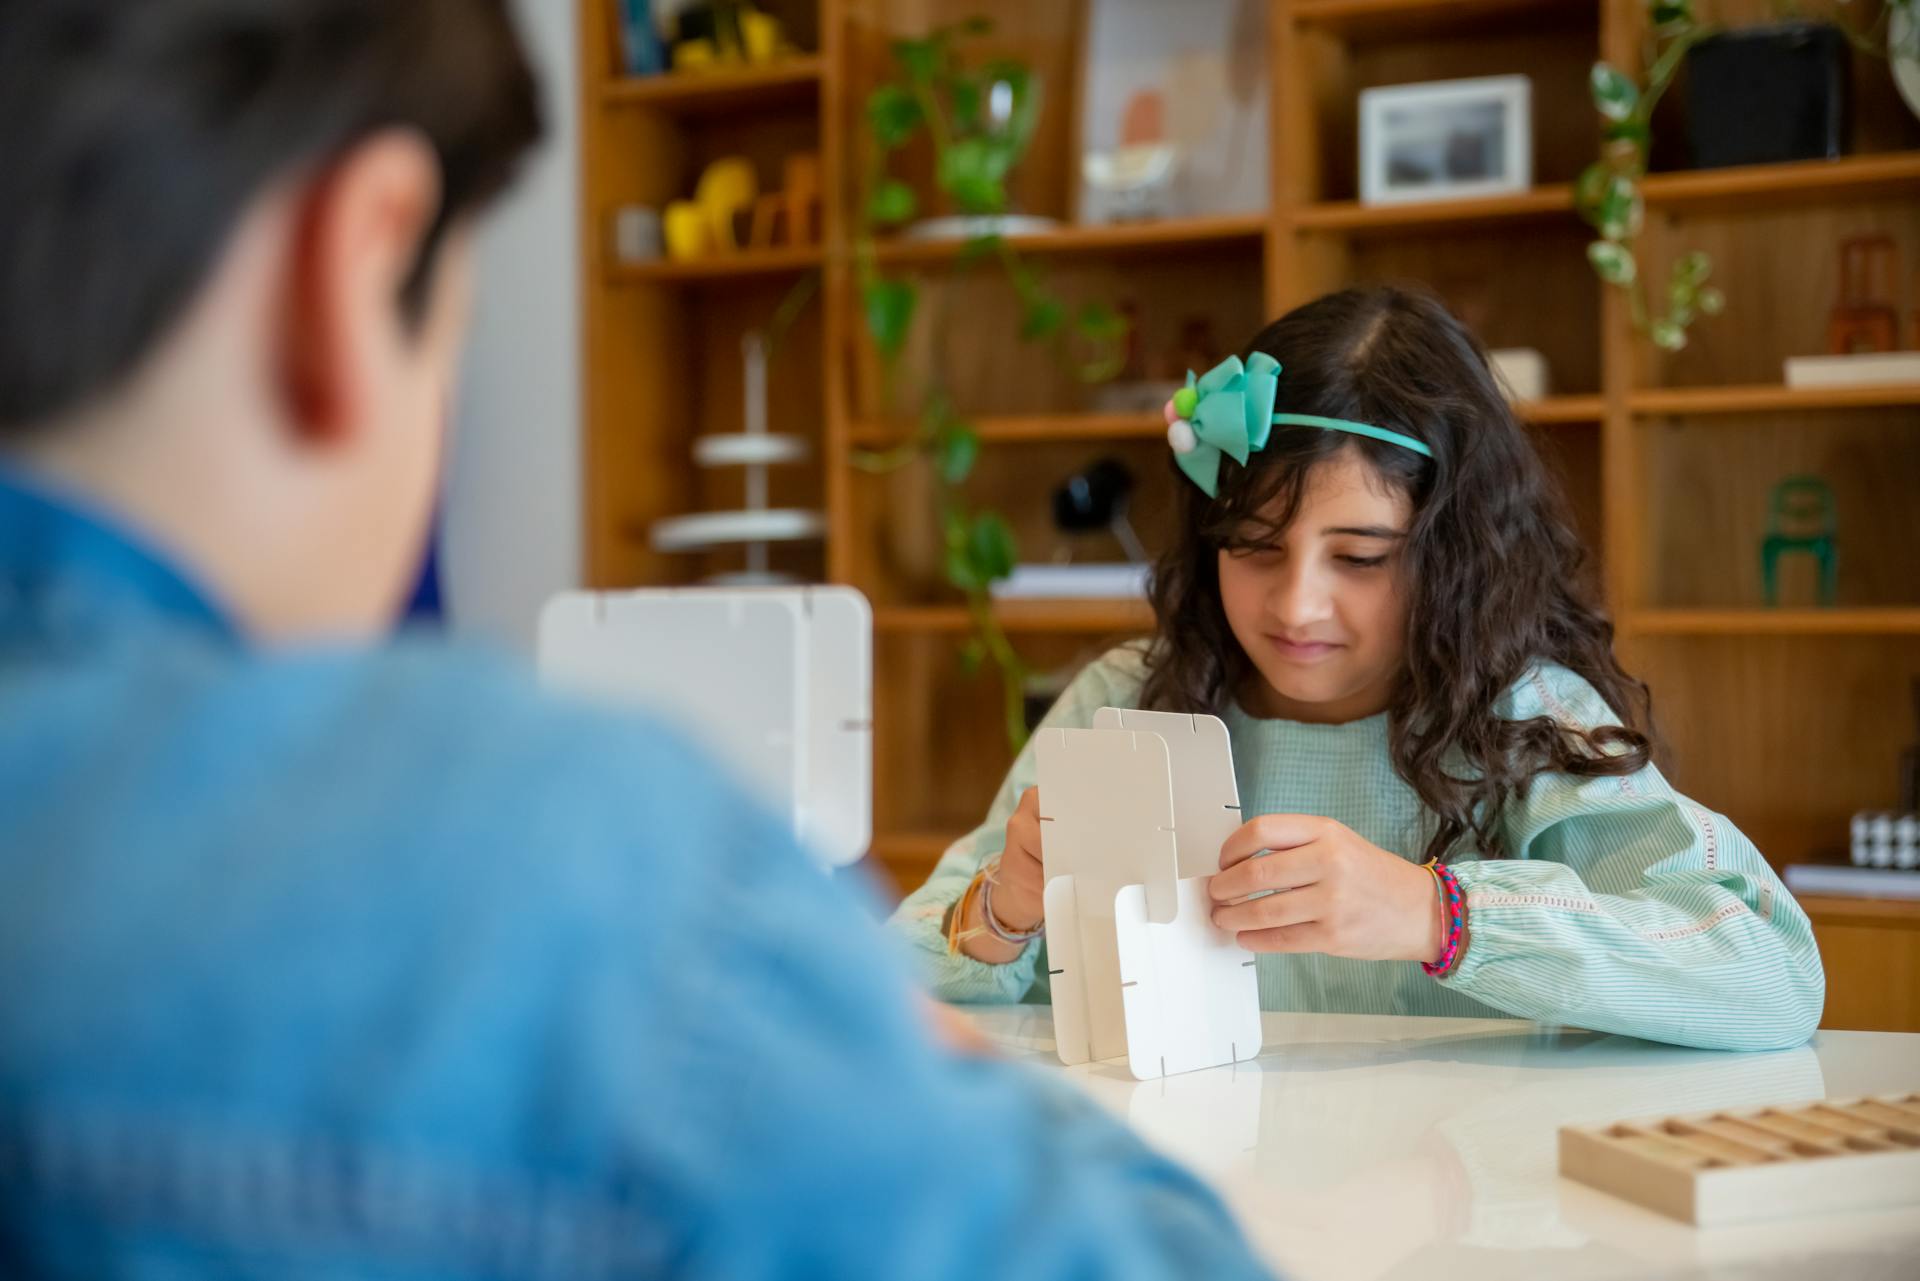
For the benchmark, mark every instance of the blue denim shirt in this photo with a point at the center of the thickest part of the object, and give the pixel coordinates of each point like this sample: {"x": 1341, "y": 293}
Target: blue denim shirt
{"x": 328, "y": 962}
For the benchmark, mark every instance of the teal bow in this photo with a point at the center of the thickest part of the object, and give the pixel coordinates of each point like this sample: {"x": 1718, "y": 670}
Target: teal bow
{"x": 1231, "y": 412}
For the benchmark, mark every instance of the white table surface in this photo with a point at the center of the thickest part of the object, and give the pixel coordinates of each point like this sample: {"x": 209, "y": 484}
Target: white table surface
{"x": 1360, "y": 1147}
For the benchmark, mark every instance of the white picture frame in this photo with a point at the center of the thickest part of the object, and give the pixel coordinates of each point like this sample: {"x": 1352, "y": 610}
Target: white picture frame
{"x": 1446, "y": 140}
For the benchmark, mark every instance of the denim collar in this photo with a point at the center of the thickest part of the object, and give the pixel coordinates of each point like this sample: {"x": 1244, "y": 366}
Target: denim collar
{"x": 65, "y": 566}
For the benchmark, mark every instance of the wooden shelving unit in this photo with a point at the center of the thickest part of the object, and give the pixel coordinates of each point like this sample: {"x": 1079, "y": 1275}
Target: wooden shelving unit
{"x": 789, "y": 83}
{"x": 1352, "y": 216}
{"x": 1688, "y": 401}
{"x": 1121, "y": 238}
{"x": 748, "y": 262}
{"x": 1786, "y": 719}
{"x": 1885, "y": 621}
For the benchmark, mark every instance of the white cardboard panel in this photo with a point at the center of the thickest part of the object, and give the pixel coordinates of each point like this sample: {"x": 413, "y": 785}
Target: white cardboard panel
{"x": 1190, "y": 992}
{"x": 1106, "y": 812}
{"x": 1206, "y": 796}
{"x": 777, "y": 682}
{"x": 724, "y": 668}
{"x": 1106, "y": 821}
{"x": 837, "y": 798}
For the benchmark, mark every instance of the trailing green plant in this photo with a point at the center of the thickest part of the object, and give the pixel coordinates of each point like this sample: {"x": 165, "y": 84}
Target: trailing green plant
{"x": 979, "y": 121}
{"x": 1608, "y": 196}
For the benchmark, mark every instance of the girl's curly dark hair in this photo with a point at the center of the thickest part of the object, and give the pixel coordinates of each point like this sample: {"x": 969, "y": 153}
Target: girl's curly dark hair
{"x": 1494, "y": 570}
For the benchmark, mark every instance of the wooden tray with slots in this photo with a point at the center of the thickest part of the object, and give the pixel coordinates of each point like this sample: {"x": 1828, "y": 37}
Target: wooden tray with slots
{"x": 1712, "y": 1168}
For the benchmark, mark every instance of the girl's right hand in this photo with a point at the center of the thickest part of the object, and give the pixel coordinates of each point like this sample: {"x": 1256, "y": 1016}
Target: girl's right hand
{"x": 1019, "y": 892}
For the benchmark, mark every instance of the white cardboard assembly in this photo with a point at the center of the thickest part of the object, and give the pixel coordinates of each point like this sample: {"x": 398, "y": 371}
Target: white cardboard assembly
{"x": 775, "y": 681}
{"x": 1133, "y": 813}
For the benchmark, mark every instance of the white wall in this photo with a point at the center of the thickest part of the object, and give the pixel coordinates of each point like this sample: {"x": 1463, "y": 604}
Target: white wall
{"x": 511, "y": 525}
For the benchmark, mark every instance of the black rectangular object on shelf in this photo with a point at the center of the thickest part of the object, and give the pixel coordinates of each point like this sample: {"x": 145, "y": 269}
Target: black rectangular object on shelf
{"x": 1765, "y": 95}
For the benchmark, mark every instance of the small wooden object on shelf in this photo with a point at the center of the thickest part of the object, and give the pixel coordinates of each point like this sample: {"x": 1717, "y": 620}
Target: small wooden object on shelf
{"x": 1867, "y": 316}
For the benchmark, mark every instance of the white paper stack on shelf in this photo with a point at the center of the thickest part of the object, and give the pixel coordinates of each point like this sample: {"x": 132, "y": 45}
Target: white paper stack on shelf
{"x": 1852, "y": 882}
{"x": 1091, "y": 581}
{"x": 1865, "y": 369}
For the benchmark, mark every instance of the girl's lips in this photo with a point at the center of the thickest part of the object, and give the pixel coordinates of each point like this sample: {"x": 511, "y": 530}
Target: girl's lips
{"x": 1301, "y": 651}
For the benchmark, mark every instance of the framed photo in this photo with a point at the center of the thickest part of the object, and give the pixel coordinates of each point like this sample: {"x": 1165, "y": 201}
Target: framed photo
{"x": 1173, "y": 110}
{"x": 1446, "y": 140}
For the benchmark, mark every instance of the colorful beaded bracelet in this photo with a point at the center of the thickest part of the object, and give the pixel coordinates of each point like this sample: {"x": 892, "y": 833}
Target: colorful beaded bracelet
{"x": 1455, "y": 903}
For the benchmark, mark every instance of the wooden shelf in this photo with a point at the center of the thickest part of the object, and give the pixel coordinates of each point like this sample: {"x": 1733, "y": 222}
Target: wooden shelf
{"x": 1562, "y": 409}
{"x": 1069, "y": 616}
{"x": 1235, "y": 230}
{"x": 1408, "y": 19}
{"x": 747, "y": 263}
{"x": 1355, "y": 218}
{"x": 1734, "y": 189}
{"x": 1761, "y": 399}
{"x": 1873, "y": 621}
{"x": 1032, "y": 429}
{"x": 720, "y": 92}
{"x": 1040, "y": 429}
{"x": 1837, "y": 907}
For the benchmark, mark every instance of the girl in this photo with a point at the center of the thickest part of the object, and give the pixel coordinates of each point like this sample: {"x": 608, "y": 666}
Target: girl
{"x": 1375, "y": 584}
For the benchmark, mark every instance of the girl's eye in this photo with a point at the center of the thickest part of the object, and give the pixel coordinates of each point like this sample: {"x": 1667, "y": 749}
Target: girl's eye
{"x": 1364, "y": 562}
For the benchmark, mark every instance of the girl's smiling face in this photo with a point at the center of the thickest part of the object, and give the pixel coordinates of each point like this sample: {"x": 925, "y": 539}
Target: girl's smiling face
{"x": 1319, "y": 607}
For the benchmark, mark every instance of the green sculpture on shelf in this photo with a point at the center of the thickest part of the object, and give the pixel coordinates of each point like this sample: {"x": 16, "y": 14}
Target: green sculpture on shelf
{"x": 1801, "y": 517}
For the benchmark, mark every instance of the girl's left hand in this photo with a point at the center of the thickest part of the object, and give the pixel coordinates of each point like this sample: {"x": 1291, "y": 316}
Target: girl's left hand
{"x": 1342, "y": 895}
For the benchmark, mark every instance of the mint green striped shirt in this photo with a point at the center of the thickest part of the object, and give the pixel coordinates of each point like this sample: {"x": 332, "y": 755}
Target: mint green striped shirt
{"x": 1622, "y": 906}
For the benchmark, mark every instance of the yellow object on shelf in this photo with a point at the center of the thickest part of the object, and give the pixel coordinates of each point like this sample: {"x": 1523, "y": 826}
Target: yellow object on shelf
{"x": 695, "y": 55}
{"x": 756, "y": 41}
{"x": 685, "y": 227}
{"x": 727, "y": 186}
{"x": 761, "y": 36}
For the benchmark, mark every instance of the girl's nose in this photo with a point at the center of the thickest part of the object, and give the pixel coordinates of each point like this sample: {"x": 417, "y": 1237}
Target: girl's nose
{"x": 1299, "y": 594}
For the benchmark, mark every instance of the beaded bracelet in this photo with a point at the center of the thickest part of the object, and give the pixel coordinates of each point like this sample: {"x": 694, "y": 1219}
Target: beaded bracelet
{"x": 981, "y": 886}
{"x": 1455, "y": 903}
{"x": 1005, "y": 934}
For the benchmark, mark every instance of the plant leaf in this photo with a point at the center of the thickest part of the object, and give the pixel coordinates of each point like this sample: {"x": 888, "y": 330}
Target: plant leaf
{"x": 1099, "y": 321}
{"x": 892, "y": 114}
{"x": 959, "y": 565}
{"x": 1667, "y": 335}
{"x": 973, "y": 655}
{"x": 1043, "y": 319}
{"x": 959, "y": 447}
{"x": 1613, "y": 263}
{"x": 972, "y": 171}
{"x": 990, "y": 547}
{"x": 1665, "y": 13}
{"x": 965, "y": 95}
{"x": 1614, "y": 95}
{"x": 889, "y": 308}
{"x": 920, "y": 59}
{"x": 1712, "y": 301}
{"x": 1632, "y": 131}
{"x": 892, "y": 202}
{"x": 1621, "y": 210}
{"x": 1694, "y": 268}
